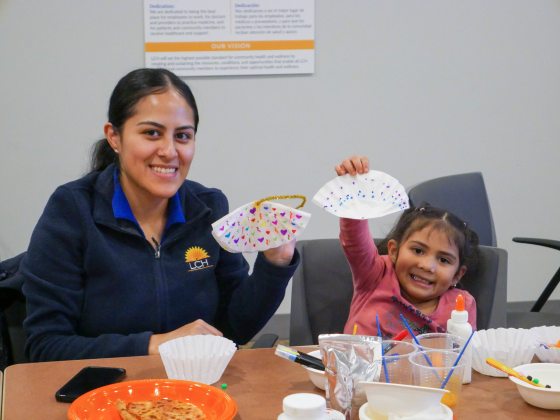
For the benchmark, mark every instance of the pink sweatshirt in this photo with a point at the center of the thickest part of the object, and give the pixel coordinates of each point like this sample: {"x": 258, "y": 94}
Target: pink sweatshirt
{"x": 377, "y": 290}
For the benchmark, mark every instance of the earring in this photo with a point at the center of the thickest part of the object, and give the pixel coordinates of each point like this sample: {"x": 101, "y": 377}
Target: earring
{"x": 116, "y": 151}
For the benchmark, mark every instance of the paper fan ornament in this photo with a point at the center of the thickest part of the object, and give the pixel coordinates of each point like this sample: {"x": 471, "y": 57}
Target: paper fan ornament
{"x": 363, "y": 196}
{"x": 260, "y": 225}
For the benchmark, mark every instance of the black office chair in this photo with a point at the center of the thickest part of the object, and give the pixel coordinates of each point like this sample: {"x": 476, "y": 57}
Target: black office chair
{"x": 14, "y": 316}
{"x": 12, "y": 307}
{"x": 535, "y": 317}
{"x": 465, "y": 195}
{"x": 322, "y": 290}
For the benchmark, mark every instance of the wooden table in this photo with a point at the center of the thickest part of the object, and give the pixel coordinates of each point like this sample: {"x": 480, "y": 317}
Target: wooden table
{"x": 257, "y": 380}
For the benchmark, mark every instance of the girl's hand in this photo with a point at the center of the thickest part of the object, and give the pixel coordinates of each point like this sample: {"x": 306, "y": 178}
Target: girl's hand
{"x": 198, "y": 327}
{"x": 353, "y": 165}
{"x": 282, "y": 255}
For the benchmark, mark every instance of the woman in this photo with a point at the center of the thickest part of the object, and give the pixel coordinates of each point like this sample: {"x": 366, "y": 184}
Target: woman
{"x": 123, "y": 259}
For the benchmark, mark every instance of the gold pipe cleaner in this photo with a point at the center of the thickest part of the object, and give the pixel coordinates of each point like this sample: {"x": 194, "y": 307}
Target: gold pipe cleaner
{"x": 283, "y": 197}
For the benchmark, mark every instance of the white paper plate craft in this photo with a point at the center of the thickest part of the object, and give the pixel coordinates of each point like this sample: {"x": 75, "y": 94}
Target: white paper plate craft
{"x": 364, "y": 196}
{"x": 260, "y": 225}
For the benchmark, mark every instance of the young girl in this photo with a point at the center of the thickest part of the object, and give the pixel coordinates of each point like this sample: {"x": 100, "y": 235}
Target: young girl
{"x": 428, "y": 251}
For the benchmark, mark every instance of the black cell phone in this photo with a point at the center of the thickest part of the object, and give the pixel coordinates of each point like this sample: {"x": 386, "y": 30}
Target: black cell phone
{"x": 88, "y": 378}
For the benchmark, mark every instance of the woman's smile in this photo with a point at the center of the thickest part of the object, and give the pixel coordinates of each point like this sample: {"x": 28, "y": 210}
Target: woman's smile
{"x": 163, "y": 170}
{"x": 156, "y": 147}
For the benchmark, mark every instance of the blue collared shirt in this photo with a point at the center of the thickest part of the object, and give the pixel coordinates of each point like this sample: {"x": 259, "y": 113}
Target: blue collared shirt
{"x": 122, "y": 210}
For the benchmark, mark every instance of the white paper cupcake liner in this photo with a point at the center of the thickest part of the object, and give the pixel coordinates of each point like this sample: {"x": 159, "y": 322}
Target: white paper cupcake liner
{"x": 252, "y": 228}
{"x": 200, "y": 358}
{"x": 546, "y": 336}
{"x": 364, "y": 196}
{"x": 511, "y": 346}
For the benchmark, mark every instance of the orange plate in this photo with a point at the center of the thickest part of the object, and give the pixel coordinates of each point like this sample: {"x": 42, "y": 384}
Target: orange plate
{"x": 99, "y": 404}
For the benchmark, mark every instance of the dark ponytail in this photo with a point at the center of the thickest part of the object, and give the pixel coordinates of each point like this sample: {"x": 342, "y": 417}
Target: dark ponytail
{"x": 102, "y": 155}
{"x": 133, "y": 87}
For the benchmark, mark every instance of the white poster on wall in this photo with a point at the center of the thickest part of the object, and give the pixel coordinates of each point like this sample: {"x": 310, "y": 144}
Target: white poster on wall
{"x": 230, "y": 37}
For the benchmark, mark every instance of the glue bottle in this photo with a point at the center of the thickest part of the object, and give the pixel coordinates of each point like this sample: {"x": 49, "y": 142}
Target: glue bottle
{"x": 308, "y": 407}
{"x": 458, "y": 325}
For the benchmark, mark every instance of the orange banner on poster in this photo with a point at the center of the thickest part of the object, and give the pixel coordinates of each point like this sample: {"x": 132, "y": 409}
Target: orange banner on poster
{"x": 304, "y": 44}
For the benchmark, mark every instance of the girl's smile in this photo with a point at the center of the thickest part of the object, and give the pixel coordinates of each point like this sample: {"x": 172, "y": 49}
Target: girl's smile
{"x": 421, "y": 280}
{"x": 427, "y": 265}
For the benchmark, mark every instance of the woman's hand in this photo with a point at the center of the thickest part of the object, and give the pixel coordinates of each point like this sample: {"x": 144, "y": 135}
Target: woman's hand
{"x": 198, "y": 327}
{"x": 282, "y": 255}
{"x": 353, "y": 165}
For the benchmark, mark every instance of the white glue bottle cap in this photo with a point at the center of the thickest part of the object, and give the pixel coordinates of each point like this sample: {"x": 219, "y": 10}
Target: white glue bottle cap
{"x": 308, "y": 407}
{"x": 459, "y": 315}
{"x": 304, "y": 406}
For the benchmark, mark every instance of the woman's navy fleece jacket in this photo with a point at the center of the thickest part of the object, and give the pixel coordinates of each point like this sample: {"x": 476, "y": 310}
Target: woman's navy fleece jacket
{"x": 95, "y": 287}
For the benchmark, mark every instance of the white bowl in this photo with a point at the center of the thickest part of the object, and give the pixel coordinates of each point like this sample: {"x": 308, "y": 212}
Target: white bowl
{"x": 385, "y": 398}
{"x": 511, "y": 346}
{"x": 316, "y": 376}
{"x": 547, "y": 374}
{"x": 547, "y": 336}
{"x": 441, "y": 412}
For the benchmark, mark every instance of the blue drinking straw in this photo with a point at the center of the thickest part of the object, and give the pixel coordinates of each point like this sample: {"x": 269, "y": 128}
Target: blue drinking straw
{"x": 407, "y": 326}
{"x": 382, "y": 352}
{"x": 405, "y": 322}
{"x": 456, "y": 362}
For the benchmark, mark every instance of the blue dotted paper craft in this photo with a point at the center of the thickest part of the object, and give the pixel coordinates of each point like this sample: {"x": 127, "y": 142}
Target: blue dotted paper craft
{"x": 365, "y": 196}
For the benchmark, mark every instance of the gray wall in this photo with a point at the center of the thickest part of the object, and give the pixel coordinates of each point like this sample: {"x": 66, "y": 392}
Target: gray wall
{"x": 425, "y": 88}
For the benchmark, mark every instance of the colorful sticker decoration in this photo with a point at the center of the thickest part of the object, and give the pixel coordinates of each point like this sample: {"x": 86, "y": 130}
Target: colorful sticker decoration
{"x": 364, "y": 196}
{"x": 260, "y": 225}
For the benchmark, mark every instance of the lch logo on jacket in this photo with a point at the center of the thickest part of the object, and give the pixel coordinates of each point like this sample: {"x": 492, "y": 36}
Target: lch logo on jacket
{"x": 197, "y": 258}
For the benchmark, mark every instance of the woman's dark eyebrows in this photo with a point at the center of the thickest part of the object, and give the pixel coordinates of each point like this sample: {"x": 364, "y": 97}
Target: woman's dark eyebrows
{"x": 151, "y": 123}
{"x": 184, "y": 127}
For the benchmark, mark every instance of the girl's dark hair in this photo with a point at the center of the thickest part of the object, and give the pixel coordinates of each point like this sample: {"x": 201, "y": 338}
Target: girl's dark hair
{"x": 133, "y": 87}
{"x": 415, "y": 219}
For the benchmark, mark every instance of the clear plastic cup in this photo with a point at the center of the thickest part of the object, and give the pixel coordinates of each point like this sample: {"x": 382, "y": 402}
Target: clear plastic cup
{"x": 396, "y": 367}
{"x": 431, "y": 368}
{"x": 440, "y": 341}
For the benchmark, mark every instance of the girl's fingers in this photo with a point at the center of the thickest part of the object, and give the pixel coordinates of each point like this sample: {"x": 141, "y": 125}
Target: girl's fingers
{"x": 353, "y": 165}
{"x": 349, "y": 166}
{"x": 339, "y": 170}
{"x": 360, "y": 164}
